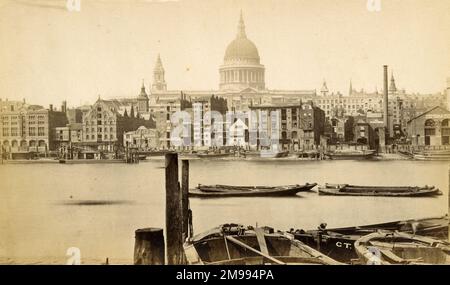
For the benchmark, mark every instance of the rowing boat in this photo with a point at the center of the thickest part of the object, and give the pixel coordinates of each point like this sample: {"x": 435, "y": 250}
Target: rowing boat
{"x": 233, "y": 244}
{"x": 338, "y": 243}
{"x": 388, "y": 248}
{"x": 218, "y": 191}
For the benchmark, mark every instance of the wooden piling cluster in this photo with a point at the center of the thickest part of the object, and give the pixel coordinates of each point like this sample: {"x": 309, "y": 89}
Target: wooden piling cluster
{"x": 150, "y": 248}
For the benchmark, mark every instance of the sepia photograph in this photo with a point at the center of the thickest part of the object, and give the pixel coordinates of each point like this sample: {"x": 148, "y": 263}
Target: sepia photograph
{"x": 224, "y": 132}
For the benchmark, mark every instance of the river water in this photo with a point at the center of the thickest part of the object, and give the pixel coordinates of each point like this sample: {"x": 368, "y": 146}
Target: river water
{"x": 42, "y": 209}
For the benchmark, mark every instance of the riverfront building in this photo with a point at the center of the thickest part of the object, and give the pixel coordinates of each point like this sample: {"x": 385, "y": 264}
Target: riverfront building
{"x": 431, "y": 128}
{"x": 106, "y": 122}
{"x": 28, "y": 129}
{"x": 301, "y": 126}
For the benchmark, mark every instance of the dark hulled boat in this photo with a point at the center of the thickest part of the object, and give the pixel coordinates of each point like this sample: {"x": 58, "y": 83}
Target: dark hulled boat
{"x": 391, "y": 191}
{"x": 221, "y": 191}
{"x": 214, "y": 154}
{"x": 281, "y": 154}
{"x": 338, "y": 243}
{"x": 233, "y": 244}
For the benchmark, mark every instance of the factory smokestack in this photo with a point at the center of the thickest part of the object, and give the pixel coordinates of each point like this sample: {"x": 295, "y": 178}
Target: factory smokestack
{"x": 386, "y": 103}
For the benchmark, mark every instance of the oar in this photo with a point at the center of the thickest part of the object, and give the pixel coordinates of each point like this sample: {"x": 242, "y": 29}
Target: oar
{"x": 233, "y": 240}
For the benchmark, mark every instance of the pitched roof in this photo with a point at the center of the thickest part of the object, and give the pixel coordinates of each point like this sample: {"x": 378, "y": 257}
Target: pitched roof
{"x": 443, "y": 110}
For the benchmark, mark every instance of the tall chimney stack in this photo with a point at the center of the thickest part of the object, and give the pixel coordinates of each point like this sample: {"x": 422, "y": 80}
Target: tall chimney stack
{"x": 386, "y": 103}
{"x": 51, "y": 107}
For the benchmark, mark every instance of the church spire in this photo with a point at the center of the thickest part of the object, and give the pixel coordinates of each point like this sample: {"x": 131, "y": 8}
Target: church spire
{"x": 324, "y": 89}
{"x": 241, "y": 27}
{"x": 159, "y": 63}
{"x": 143, "y": 92}
{"x": 142, "y": 100}
{"x": 159, "y": 82}
{"x": 392, "y": 87}
{"x": 350, "y": 91}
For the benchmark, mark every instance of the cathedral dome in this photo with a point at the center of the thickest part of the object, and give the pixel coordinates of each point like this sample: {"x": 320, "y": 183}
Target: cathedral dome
{"x": 241, "y": 49}
{"x": 241, "y": 68}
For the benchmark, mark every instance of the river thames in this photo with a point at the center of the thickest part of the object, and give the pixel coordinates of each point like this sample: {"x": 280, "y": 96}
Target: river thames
{"x": 47, "y": 208}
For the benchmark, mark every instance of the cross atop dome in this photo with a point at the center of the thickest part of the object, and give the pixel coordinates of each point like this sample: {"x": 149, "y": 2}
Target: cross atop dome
{"x": 241, "y": 27}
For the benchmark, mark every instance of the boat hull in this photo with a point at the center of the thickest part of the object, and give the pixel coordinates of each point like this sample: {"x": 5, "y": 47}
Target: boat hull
{"x": 91, "y": 161}
{"x": 349, "y": 156}
{"x": 401, "y": 248}
{"x": 213, "y": 155}
{"x": 375, "y": 192}
{"x": 232, "y": 244}
{"x": 210, "y": 192}
{"x": 338, "y": 243}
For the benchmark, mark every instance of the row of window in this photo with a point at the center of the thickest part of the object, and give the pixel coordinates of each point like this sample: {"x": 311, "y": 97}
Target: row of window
{"x": 15, "y": 123}
{"x": 343, "y": 101}
{"x": 99, "y": 129}
{"x": 99, "y": 136}
{"x": 100, "y": 122}
{"x": 15, "y": 131}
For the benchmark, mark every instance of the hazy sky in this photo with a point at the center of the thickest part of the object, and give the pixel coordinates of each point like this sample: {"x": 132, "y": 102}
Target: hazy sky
{"x": 48, "y": 54}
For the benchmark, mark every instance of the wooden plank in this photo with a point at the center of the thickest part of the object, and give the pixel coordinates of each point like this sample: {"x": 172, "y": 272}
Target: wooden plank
{"x": 235, "y": 241}
{"x": 261, "y": 240}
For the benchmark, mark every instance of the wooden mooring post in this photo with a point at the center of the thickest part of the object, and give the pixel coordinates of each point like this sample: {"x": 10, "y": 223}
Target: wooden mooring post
{"x": 174, "y": 215}
{"x": 185, "y": 197}
{"x": 149, "y": 247}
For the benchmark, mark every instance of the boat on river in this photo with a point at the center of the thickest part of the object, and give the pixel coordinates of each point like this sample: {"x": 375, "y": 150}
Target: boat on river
{"x": 91, "y": 161}
{"x": 233, "y": 244}
{"x": 220, "y": 191}
{"x": 281, "y": 154}
{"x": 439, "y": 155}
{"x": 214, "y": 154}
{"x": 388, "y": 248}
{"x": 351, "y": 155}
{"x": 391, "y": 191}
{"x": 309, "y": 155}
{"x": 265, "y": 154}
{"x": 338, "y": 243}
